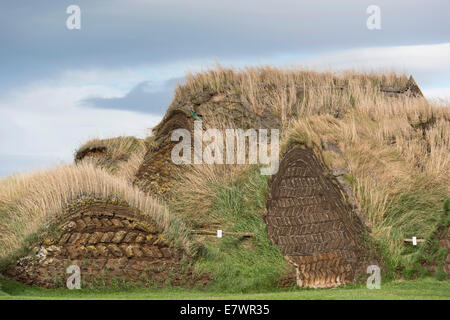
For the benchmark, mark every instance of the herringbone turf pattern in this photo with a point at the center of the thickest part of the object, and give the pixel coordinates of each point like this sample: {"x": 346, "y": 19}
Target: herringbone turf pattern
{"x": 309, "y": 220}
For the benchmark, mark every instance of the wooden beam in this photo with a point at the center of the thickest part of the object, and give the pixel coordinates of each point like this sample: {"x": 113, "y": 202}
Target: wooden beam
{"x": 411, "y": 240}
{"x": 213, "y": 233}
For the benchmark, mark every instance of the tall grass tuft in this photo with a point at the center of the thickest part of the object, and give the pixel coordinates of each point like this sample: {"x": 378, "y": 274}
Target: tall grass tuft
{"x": 29, "y": 202}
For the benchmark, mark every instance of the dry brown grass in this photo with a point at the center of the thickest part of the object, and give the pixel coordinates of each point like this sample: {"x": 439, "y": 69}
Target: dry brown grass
{"x": 279, "y": 89}
{"x": 28, "y": 202}
{"x": 397, "y": 149}
{"x": 120, "y": 156}
{"x": 195, "y": 185}
{"x": 195, "y": 192}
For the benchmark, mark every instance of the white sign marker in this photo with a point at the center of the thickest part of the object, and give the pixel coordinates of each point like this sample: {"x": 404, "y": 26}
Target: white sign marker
{"x": 414, "y": 241}
{"x": 219, "y": 233}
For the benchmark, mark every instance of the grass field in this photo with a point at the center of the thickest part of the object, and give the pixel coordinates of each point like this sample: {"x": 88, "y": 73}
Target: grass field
{"x": 425, "y": 288}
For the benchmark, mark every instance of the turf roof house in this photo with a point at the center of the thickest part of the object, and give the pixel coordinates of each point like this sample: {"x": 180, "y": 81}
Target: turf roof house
{"x": 87, "y": 217}
{"x": 312, "y": 215}
{"x": 322, "y": 240}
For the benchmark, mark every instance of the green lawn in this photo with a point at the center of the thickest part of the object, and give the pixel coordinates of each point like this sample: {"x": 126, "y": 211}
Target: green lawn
{"x": 428, "y": 288}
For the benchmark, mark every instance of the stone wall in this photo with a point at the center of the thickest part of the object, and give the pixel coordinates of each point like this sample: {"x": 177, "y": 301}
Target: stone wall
{"x": 311, "y": 222}
{"x": 110, "y": 243}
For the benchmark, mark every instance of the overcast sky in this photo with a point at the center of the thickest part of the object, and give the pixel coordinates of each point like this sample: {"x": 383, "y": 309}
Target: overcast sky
{"x": 115, "y": 76}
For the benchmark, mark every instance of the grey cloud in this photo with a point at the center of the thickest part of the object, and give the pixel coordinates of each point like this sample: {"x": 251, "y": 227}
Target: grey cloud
{"x": 116, "y": 33}
{"x": 141, "y": 98}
